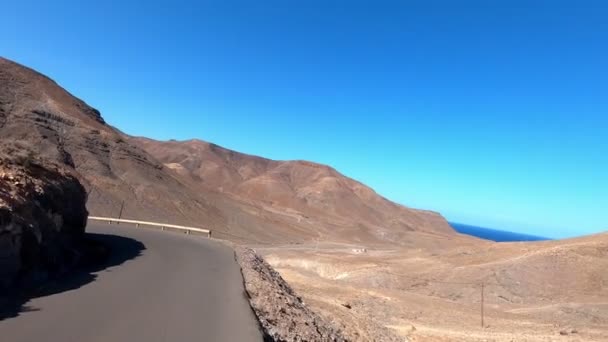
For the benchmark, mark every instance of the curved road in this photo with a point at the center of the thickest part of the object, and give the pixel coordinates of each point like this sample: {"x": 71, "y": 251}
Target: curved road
{"x": 162, "y": 286}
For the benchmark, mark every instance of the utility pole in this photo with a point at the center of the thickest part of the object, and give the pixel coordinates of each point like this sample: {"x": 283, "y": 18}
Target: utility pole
{"x": 482, "y": 289}
{"x": 122, "y": 205}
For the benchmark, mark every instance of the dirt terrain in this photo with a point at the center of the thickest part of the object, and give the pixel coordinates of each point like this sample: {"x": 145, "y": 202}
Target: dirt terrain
{"x": 541, "y": 291}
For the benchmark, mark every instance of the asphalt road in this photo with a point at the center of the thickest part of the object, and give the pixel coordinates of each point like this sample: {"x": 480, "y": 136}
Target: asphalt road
{"x": 159, "y": 286}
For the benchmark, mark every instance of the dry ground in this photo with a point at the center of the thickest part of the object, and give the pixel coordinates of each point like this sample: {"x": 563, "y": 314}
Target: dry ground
{"x": 551, "y": 291}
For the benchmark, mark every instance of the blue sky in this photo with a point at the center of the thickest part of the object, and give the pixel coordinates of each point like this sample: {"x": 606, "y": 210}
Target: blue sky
{"x": 494, "y": 113}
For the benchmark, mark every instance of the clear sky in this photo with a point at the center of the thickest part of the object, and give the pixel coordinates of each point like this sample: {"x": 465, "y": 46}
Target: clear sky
{"x": 494, "y": 113}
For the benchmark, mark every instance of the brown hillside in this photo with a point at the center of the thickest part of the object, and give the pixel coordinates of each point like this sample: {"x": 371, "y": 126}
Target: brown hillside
{"x": 244, "y": 197}
{"x": 298, "y": 187}
{"x": 39, "y": 114}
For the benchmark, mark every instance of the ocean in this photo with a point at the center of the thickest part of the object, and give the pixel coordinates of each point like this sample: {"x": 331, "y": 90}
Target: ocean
{"x": 494, "y": 234}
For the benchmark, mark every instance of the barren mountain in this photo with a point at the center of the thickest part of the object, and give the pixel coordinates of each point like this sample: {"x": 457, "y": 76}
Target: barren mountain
{"x": 244, "y": 197}
{"x": 40, "y": 115}
{"x": 299, "y": 187}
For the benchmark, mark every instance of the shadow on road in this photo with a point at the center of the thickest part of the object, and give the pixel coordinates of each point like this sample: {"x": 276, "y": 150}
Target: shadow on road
{"x": 106, "y": 251}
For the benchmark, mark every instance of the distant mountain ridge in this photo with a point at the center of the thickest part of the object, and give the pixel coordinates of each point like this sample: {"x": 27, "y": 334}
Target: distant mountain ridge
{"x": 198, "y": 183}
{"x": 298, "y": 186}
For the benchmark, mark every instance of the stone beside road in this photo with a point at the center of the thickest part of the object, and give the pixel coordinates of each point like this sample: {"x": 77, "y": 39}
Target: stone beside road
{"x": 281, "y": 313}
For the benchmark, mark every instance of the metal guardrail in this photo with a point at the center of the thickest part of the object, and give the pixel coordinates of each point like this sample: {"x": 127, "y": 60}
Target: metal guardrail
{"x": 155, "y": 224}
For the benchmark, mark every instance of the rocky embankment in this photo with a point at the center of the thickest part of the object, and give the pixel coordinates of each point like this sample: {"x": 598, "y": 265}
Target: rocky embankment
{"x": 281, "y": 313}
{"x": 42, "y": 219}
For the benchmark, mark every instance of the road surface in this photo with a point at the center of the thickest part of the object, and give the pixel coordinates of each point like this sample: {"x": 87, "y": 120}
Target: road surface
{"x": 179, "y": 288}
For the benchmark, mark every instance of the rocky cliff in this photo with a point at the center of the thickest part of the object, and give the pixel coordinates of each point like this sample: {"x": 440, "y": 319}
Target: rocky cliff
{"x": 42, "y": 218}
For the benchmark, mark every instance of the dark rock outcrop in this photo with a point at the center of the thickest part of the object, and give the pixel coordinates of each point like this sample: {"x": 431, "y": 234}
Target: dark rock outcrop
{"x": 42, "y": 219}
